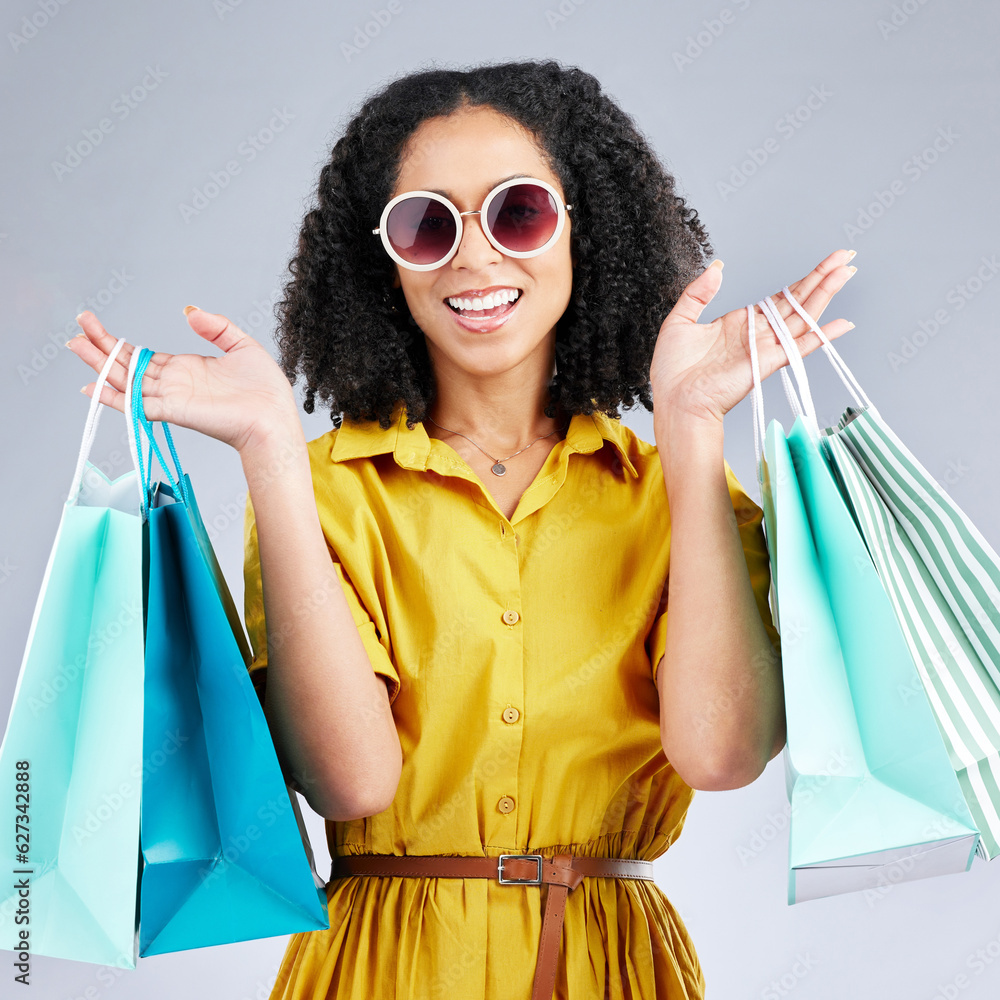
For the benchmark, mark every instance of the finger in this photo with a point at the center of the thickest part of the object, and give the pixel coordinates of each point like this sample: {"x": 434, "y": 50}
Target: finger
{"x": 816, "y": 300}
{"x": 815, "y": 290}
{"x": 698, "y": 293}
{"x": 95, "y": 357}
{"x": 771, "y": 355}
{"x": 109, "y": 395}
{"x": 96, "y": 344}
{"x": 216, "y": 329}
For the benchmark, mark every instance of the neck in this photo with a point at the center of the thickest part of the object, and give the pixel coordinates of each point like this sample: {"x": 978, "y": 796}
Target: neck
{"x": 501, "y": 413}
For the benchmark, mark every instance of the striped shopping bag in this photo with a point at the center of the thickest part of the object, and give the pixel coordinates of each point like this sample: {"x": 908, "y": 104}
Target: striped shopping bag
{"x": 874, "y": 799}
{"x": 943, "y": 580}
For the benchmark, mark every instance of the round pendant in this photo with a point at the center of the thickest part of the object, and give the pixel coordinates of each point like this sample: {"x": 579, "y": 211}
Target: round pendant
{"x": 498, "y": 469}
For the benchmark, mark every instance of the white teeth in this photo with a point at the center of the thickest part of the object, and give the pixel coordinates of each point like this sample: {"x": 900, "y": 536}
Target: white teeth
{"x": 490, "y": 301}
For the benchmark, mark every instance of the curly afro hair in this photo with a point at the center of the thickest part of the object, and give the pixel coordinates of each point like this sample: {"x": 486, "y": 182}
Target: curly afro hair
{"x": 635, "y": 241}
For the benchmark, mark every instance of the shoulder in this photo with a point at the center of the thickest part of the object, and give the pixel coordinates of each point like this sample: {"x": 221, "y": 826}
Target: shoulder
{"x": 628, "y": 453}
{"x": 645, "y": 457}
{"x": 343, "y": 489}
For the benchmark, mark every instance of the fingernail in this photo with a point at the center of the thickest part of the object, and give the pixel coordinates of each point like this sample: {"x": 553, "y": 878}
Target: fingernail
{"x": 850, "y": 256}
{"x": 84, "y": 390}
{"x": 850, "y": 326}
{"x": 853, "y": 271}
{"x": 188, "y": 309}
{"x": 718, "y": 262}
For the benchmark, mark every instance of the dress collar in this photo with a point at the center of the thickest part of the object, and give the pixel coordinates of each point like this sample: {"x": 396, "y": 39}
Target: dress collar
{"x": 410, "y": 448}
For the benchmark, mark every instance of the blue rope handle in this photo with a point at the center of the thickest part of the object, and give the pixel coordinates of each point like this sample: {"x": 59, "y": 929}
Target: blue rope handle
{"x": 139, "y": 416}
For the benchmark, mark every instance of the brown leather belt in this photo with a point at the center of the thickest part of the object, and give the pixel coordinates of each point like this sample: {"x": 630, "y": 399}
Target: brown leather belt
{"x": 560, "y": 873}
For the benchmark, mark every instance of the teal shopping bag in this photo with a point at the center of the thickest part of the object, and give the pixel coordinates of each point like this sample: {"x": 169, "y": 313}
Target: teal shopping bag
{"x": 874, "y": 800}
{"x": 943, "y": 580}
{"x": 225, "y": 855}
{"x": 70, "y": 781}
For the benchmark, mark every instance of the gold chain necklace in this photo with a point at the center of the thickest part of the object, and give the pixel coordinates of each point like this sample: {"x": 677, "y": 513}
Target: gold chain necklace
{"x": 498, "y": 468}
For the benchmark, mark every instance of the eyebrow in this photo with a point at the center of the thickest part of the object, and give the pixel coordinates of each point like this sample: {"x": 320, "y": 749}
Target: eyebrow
{"x": 493, "y": 185}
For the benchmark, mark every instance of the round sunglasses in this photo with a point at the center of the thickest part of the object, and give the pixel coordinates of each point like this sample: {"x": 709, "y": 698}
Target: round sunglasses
{"x": 522, "y": 217}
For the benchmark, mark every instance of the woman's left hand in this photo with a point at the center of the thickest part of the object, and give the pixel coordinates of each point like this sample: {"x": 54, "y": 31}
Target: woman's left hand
{"x": 703, "y": 369}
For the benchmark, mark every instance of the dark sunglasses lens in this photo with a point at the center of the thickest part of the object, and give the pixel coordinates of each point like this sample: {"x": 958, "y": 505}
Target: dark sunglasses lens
{"x": 421, "y": 230}
{"x": 523, "y": 217}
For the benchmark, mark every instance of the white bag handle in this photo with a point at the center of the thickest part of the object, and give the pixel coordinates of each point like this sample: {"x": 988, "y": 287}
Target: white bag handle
{"x": 804, "y": 408}
{"x": 795, "y": 361}
{"x": 90, "y": 427}
{"x": 839, "y": 365}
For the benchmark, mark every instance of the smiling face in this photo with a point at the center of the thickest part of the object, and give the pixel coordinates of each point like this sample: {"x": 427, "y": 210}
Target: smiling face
{"x": 465, "y": 155}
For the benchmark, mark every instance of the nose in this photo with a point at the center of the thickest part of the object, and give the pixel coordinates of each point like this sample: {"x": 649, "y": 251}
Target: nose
{"x": 474, "y": 251}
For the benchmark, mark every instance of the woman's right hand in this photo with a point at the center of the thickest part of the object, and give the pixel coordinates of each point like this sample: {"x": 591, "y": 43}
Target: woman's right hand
{"x": 235, "y": 398}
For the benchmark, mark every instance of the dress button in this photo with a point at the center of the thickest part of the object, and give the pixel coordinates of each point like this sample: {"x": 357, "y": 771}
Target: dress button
{"x": 506, "y": 804}
{"x": 510, "y": 617}
{"x": 511, "y": 714}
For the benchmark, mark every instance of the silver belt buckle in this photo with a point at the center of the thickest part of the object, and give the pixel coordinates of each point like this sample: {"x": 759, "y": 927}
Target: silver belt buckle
{"x": 537, "y": 858}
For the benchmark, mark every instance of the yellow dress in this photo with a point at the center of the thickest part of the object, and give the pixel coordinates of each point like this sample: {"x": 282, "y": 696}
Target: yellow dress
{"x": 520, "y": 660}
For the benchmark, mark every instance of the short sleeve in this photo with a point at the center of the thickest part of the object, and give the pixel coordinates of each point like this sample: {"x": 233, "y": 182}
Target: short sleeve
{"x": 750, "y": 521}
{"x": 379, "y": 652}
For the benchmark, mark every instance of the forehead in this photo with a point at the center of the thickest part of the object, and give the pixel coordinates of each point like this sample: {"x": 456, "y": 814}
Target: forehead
{"x": 466, "y": 153}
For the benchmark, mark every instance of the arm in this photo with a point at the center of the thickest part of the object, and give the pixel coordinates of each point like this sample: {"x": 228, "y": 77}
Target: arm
{"x": 327, "y": 710}
{"x": 719, "y": 679}
{"x": 722, "y": 710}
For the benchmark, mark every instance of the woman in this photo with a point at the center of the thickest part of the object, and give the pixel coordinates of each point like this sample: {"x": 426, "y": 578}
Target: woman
{"x": 464, "y": 583}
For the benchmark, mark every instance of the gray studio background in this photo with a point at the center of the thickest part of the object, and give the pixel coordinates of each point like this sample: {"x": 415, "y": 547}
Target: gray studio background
{"x": 795, "y": 128}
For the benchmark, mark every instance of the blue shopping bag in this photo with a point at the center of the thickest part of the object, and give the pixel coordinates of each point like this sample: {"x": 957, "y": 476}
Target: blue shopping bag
{"x": 874, "y": 799}
{"x": 70, "y": 783}
{"x": 225, "y": 855}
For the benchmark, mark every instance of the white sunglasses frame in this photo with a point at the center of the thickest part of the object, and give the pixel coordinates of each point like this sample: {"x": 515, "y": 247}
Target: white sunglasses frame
{"x": 561, "y": 210}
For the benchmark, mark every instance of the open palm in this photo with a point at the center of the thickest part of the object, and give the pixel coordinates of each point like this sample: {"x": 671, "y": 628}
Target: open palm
{"x": 704, "y": 368}
{"x": 224, "y": 397}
